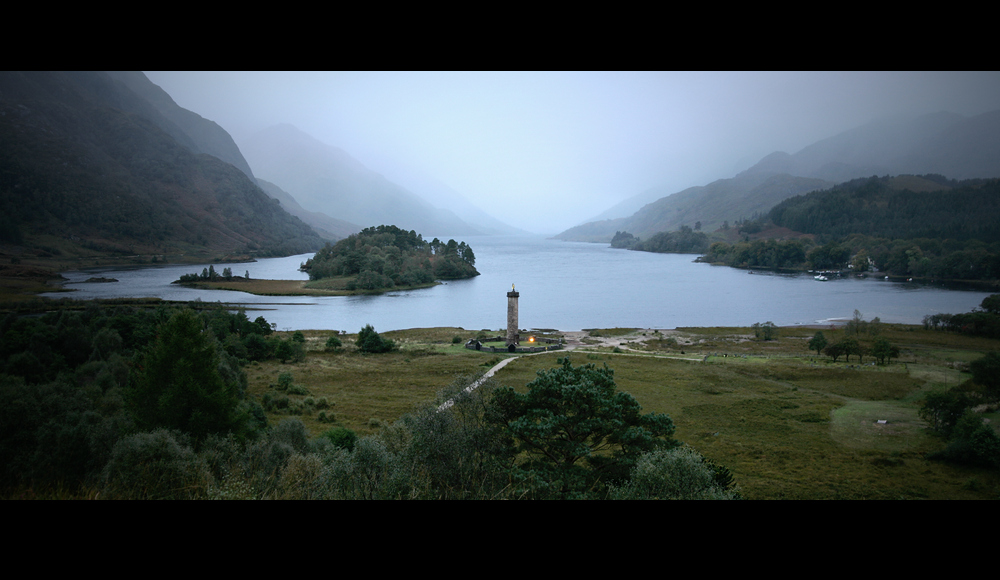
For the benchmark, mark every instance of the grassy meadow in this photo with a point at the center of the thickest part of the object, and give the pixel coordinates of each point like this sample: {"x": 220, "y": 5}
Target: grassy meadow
{"x": 788, "y": 423}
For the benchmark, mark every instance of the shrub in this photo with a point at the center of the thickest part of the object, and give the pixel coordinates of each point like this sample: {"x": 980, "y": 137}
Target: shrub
{"x": 342, "y": 437}
{"x": 302, "y": 478}
{"x": 943, "y": 410}
{"x": 767, "y": 330}
{"x": 986, "y": 370}
{"x": 293, "y": 432}
{"x": 333, "y": 343}
{"x": 286, "y": 350}
{"x": 156, "y": 465}
{"x": 680, "y": 473}
{"x": 297, "y": 390}
{"x": 369, "y": 341}
{"x": 973, "y": 443}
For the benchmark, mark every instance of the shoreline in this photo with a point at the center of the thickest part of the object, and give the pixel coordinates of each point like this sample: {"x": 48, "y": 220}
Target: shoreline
{"x": 261, "y": 287}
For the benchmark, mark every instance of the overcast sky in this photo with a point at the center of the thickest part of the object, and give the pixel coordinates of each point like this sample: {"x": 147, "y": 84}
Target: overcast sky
{"x": 545, "y": 151}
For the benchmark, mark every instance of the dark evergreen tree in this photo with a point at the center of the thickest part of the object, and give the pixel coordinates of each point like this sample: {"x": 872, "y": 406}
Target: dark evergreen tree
{"x": 369, "y": 341}
{"x": 579, "y": 431}
{"x": 179, "y": 385}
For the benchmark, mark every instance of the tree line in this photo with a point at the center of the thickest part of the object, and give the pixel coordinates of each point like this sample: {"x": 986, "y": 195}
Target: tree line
{"x": 683, "y": 241}
{"x": 151, "y": 403}
{"x": 982, "y": 321}
{"x": 876, "y": 206}
{"x": 864, "y": 225}
{"x": 945, "y": 234}
{"x": 210, "y": 275}
{"x": 955, "y": 414}
{"x": 75, "y": 384}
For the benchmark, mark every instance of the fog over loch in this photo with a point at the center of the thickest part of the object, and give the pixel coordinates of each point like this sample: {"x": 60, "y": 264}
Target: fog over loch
{"x": 545, "y": 151}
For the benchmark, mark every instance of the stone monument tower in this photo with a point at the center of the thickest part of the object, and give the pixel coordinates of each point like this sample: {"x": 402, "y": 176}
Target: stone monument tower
{"x": 513, "y": 338}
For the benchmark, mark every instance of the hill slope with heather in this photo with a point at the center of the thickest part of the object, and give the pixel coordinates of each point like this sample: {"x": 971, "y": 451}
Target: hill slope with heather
{"x": 87, "y": 170}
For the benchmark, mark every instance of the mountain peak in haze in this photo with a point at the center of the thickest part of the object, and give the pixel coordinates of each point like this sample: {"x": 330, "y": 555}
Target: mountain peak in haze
{"x": 324, "y": 178}
{"x": 941, "y": 143}
{"x": 187, "y": 127}
{"x": 90, "y": 168}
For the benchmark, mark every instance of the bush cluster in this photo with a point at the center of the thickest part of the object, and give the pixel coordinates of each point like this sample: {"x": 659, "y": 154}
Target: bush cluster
{"x": 76, "y": 384}
{"x": 370, "y": 341}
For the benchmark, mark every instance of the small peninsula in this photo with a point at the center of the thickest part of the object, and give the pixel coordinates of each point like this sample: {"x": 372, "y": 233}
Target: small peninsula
{"x": 387, "y": 257}
{"x": 375, "y": 260}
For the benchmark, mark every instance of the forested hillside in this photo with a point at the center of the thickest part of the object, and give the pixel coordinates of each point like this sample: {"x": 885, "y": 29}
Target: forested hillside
{"x": 898, "y": 207}
{"x": 907, "y": 225}
{"x": 81, "y": 176}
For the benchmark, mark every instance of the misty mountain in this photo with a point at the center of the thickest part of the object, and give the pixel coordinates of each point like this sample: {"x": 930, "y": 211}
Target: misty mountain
{"x": 712, "y": 204}
{"x": 326, "y": 226}
{"x": 90, "y": 167}
{"x": 629, "y": 206}
{"x": 941, "y": 143}
{"x": 327, "y": 179}
{"x": 188, "y": 128}
{"x": 440, "y": 194}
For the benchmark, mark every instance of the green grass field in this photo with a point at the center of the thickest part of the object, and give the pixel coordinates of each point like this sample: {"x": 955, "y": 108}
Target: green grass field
{"x": 789, "y": 424}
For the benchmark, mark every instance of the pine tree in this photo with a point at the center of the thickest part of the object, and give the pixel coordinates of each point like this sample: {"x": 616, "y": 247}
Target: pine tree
{"x": 179, "y": 385}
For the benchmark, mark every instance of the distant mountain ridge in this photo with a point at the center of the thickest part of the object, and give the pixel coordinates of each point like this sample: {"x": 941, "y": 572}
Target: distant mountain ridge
{"x": 324, "y": 178}
{"x": 326, "y": 226}
{"x": 91, "y": 167}
{"x": 440, "y": 194}
{"x": 941, "y": 143}
{"x": 197, "y": 133}
{"x": 711, "y": 205}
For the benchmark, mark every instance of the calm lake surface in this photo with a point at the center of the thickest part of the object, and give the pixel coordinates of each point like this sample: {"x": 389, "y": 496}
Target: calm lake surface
{"x": 563, "y": 285}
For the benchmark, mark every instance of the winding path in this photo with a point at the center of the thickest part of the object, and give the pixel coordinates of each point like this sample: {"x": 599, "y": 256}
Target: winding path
{"x": 475, "y": 385}
{"x": 572, "y": 340}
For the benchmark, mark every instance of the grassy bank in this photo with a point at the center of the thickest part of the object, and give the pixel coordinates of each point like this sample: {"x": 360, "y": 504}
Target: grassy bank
{"x": 788, "y": 423}
{"x": 325, "y": 287}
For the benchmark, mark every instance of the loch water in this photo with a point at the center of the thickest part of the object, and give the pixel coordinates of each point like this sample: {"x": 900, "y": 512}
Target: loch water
{"x": 562, "y": 285}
